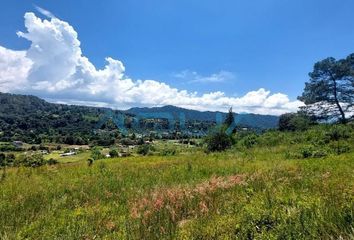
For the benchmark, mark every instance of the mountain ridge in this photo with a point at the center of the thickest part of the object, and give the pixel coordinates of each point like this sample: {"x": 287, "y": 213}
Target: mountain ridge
{"x": 246, "y": 119}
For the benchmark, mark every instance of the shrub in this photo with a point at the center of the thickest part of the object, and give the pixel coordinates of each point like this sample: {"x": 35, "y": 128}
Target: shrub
{"x": 96, "y": 153}
{"x": 8, "y": 147}
{"x": 338, "y": 132}
{"x": 114, "y": 153}
{"x": 307, "y": 151}
{"x": 319, "y": 153}
{"x": 10, "y": 159}
{"x": 52, "y": 161}
{"x": 126, "y": 142}
{"x": 35, "y": 160}
{"x": 272, "y": 138}
{"x": 168, "y": 152}
{"x": 143, "y": 149}
{"x": 294, "y": 122}
{"x": 218, "y": 141}
{"x": 340, "y": 147}
{"x": 249, "y": 141}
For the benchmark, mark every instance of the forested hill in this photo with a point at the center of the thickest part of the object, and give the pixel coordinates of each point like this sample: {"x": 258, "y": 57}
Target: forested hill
{"x": 33, "y": 120}
{"x": 247, "y": 120}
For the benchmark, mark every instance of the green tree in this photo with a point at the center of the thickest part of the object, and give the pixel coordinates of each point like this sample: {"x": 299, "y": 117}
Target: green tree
{"x": 113, "y": 153}
{"x": 143, "y": 149}
{"x": 229, "y": 118}
{"x": 330, "y": 92}
{"x": 218, "y": 140}
{"x": 294, "y": 122}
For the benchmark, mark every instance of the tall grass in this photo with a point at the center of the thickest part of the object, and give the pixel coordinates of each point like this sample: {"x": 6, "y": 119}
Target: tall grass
{"x": 254, "y": 193}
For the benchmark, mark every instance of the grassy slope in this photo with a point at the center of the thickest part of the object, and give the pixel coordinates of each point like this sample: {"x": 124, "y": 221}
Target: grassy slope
{"x": 298, "y": 199}
{"x": 69, "y": 159}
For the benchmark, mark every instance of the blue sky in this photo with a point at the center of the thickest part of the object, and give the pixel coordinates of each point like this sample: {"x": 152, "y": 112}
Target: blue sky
{"x": 270, "y": 44}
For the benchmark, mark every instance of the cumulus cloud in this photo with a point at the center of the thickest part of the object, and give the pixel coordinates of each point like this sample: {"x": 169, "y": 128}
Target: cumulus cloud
{"x": 14, "y": 68}
{"x": 54, "y": 67}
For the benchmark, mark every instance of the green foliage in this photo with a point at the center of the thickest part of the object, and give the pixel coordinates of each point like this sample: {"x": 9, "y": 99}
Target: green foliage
{"x": 307, "y": 151}
{"x": 249, "y": 140}
{"x": 34, "y": 160}
{"x": 189, "y": 196}
{"x": 96, "y": 153}
{"x": 8, "y": 147}
{"x": 113, "y": 153}
{"x": 340, "y": 147}
{"x": 171, "y": 151}
{"x": 229, "y": 118}
{"x": 218, "y": 140}
{"x": 32, "y": 120}
{"x": 52, "y": 161}
{"x": 338, "y": 132}
{"x": 10, "y": 159}
{"x": 294, "y": 122}
{"x": 330, "y": 92}
{"x": 144, "y": 149}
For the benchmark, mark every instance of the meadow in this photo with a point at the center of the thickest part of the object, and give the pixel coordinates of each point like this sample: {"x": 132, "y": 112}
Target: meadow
{"x": 274, "y": 186}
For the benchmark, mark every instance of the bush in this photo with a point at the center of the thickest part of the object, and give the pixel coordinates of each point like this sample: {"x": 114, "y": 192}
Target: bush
{"x": 8, "y": 147}
{"x": 52, "y": 161}
{"x": 35, "y": 160}
{"x": 249, "y": 140}
{"x": 338, "y": 132}
{"x": 96, "y": 153}
{"x": 168, "y": 152}
{"x": 340, "y": 147}
{"x": 272, "y": 138}
{"x": 114, "y": 153}
{"x": 307, "y": 151}
{"x": 294, "y": 122}
{"x": 143, "y": 149}
{"x": 10, "y": 159}
{"x": 218, "y": 141}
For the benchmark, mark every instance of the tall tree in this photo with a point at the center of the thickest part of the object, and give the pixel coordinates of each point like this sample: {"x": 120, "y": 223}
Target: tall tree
{"x": 229, "y": 118}
{"x": 329, "y": 94}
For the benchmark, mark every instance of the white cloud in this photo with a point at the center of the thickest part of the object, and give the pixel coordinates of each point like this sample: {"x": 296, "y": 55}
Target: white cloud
{"x": 14, "y": 68}
{"x": 194, "y": 77}
{"x": 54, "y": 67}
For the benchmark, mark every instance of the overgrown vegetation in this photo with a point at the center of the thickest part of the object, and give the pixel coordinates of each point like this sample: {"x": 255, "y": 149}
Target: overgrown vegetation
{"x": 275, "y": 185}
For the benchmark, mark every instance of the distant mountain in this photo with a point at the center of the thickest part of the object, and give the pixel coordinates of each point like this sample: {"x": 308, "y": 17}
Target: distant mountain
{"x": 246, "y": 119}
{"x": 33, "y": 120}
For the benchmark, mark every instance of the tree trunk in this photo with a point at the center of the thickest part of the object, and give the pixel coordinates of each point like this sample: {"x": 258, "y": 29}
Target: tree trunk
{"x": 343, "y": 119}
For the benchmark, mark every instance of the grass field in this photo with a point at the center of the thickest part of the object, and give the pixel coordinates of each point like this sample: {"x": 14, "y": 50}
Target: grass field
{"x": 258, "y": 193}
{"x": 69, "y": 159}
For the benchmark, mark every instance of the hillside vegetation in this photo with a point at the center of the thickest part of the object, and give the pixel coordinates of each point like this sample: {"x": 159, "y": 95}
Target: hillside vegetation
{"x": 278, "y": 185}
{"x": 35, "y": 121}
